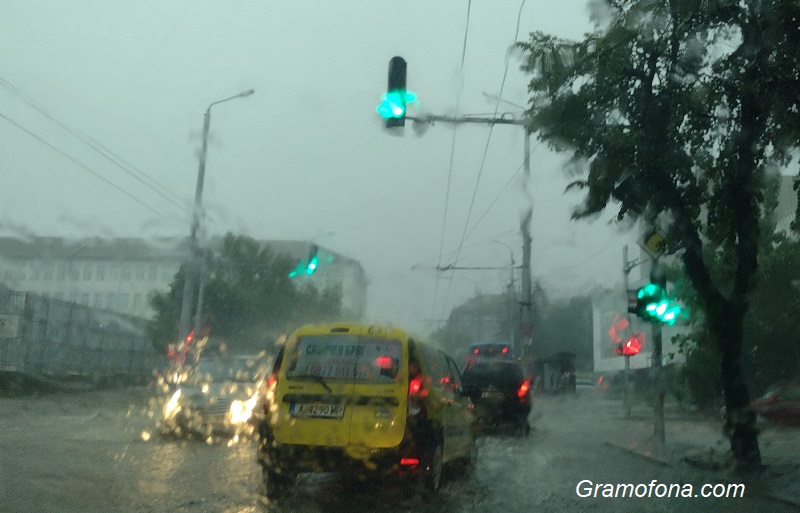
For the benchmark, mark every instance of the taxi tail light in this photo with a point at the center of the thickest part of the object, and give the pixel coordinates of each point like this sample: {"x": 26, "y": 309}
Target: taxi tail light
{"x": 522, "y": 392}
{"x": 409, "y": 461}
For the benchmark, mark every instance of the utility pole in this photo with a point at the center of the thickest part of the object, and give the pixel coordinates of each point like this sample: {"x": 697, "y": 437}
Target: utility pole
{"x": 526, "y": 304}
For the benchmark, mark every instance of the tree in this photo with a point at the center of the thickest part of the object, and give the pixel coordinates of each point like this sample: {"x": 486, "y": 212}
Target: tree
{"x": 249, "y": 297}
{"x": 678, "y": 107}
{"x": 771, "y": 322}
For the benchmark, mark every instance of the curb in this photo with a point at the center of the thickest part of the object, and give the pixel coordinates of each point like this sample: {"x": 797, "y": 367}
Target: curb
{"x": 780, "y": 498}
{"x": 649, "y": 457}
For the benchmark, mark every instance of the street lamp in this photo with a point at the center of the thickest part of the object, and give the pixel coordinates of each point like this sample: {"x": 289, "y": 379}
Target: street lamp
{"x": 193, "y": 269}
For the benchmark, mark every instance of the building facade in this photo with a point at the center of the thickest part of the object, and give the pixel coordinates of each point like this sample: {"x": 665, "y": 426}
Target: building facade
{"x": 122, "y": 274}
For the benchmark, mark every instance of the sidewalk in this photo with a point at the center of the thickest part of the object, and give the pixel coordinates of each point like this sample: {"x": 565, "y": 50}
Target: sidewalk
{"x": 697, "y": 440}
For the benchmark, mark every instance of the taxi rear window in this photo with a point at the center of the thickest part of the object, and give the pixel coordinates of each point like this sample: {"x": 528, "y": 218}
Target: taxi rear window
{"x": 339, "y": 356}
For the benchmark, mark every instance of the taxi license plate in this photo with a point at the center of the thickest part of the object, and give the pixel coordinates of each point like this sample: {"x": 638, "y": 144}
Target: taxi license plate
{"x": 329, "y": 411}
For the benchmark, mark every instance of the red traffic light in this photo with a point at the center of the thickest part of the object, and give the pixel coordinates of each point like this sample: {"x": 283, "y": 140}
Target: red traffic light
{"x": 630, "y": 347}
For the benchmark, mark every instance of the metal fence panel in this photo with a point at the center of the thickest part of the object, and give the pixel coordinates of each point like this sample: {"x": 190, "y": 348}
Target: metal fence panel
{"x": 54, "y": 338}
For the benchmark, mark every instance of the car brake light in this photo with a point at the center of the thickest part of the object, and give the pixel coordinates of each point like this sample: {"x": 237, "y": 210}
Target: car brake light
{"x": 272, "y": 380}
{"x": 505, "y": 349}
{"x": 414, "y": 386}
{"x": 475, "y": 351}
{"x": 523, "y": 389}
{"x": 409, "y": 461}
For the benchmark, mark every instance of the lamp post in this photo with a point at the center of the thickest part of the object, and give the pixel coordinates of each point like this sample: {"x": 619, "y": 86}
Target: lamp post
{"x": 193, "y": 270}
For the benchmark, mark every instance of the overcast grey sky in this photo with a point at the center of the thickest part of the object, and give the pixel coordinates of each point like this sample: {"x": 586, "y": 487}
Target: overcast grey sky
{"x": 306, "y": 154}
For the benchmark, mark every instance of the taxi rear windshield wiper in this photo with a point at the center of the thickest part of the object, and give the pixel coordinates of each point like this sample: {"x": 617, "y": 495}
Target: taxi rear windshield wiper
{"x": 318, "y": 379}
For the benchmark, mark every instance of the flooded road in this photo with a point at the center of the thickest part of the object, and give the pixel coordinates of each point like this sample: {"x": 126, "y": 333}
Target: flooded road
{"x": 99, "y": 452}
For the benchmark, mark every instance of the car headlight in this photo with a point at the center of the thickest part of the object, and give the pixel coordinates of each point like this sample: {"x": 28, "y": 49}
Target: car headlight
{"x": 241, "y": 411}
{"x": 172, "y": 407}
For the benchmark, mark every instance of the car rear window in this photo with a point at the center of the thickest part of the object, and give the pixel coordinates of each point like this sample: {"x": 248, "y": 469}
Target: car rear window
{"x": 494, "y": 373}
{"x": 339, "y": 356}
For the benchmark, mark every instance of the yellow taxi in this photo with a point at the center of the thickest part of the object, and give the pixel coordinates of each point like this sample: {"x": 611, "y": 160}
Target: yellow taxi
{"x": 362, "y": 400}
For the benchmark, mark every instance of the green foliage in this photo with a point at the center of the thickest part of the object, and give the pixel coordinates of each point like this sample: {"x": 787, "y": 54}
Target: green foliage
{"x": 249, "y": 297}
{"x": 679, "y": 108}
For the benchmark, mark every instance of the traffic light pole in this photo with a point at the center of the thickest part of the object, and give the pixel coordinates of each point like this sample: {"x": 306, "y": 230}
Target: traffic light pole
{"x": 526, "y": 321}
{"x": 626, "y": 270}
{"x": 657, "y": 276}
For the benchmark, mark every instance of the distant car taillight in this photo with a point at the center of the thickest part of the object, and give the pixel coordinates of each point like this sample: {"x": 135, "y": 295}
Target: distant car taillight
{"x": 414, "y": 386}
{"x": 272, "y": 380}
{"x": 415, "y": 392}
{"x": 523, "y": 389}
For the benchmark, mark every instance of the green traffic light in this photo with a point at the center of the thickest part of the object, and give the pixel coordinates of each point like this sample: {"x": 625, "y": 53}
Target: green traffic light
{"x": 393, "y": 104}
{"x": 312, "y": 266}
{"x": 649, "y": 290}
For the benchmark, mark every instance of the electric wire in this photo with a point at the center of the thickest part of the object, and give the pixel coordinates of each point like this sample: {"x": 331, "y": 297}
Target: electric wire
{"x": 483, "y": 242}
{"x": 471, "y": 230}
{"x": 97, "y": 147}
{"x": 486, "y": 147}
{"x": 452, "y": 152}
{"x": 82, "y": 165}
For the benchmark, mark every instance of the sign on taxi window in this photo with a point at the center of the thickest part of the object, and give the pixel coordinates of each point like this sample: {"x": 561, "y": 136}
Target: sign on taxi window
{"x": 370, "y": 359}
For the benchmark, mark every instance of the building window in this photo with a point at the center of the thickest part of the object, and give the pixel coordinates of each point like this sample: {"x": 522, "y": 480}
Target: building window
{"x": 101, "y": 272}
{"x": 35, "y": 271}
{"x": 61, "y": 272}
{"x": 47, "y": 273}
{"x": 87, "y": 272}
{"x": 114, "y": 273}
{"x": 139, "y": 273}
{"x": 152, "y": 273}
{"x": 126, "y": 273}
{"x": 123, "y": 301}
{"x": 74, "y": 273}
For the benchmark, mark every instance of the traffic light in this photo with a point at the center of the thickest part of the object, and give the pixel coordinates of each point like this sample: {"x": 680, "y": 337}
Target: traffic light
{"x": 313, "y": 259}
{"x": 393, "y": 104}
{"x": 653, "y": 304}
{"x": 309, "y": 265}
{"x": 630, "y": 347}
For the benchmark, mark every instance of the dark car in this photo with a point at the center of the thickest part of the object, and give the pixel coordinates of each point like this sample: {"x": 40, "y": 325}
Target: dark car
{"x": 500, "y": 391}
{"x": 780, "y": 405}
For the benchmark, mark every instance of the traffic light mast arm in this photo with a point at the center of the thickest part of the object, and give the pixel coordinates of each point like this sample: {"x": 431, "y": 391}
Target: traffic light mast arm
{"x": 431, "y": 118}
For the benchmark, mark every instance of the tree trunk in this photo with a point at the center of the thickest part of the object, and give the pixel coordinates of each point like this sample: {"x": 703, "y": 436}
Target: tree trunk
{"x": 740, "y": 425}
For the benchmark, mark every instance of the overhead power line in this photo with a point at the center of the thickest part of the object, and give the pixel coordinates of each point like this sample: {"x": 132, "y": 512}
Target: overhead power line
{"x": 486, "y": 147}
{"x": 82, "y": 165}
{"x": 452, "y": 150}
{"x": 153, "y": 184}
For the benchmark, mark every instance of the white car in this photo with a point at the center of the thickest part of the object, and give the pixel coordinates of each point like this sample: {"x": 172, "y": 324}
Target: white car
{"x": 216, "y": 398}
